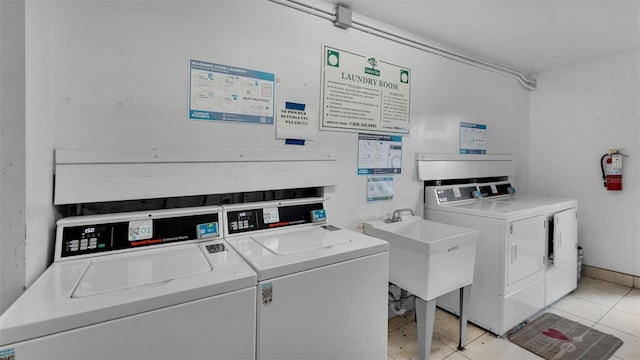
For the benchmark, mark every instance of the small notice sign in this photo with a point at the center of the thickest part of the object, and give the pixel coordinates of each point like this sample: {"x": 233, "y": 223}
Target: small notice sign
{"x": 473, "y": 138}
{"x": 379, "y": 188}
{"x": 296, "y": 121}
{"x": 379, "y": 154}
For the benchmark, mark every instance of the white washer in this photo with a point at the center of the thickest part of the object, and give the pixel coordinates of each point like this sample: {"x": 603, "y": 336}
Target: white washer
{"x": 322, "y": 291}
{"x": 513, "y": 279}
{"x": 144, "y": 285}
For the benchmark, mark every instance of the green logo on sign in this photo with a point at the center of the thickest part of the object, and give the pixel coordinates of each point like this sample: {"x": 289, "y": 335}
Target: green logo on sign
{"x": 333, "y": 58}
{"x": 372, "y": 70}
{"x": 404, "y": 76}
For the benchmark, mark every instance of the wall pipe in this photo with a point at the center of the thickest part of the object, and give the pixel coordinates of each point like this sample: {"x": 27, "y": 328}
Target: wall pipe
{"x": 359, "y": 22}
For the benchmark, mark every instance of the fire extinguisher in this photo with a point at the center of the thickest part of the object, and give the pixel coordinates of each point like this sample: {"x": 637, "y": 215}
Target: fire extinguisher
{"x": 611, "y": 166}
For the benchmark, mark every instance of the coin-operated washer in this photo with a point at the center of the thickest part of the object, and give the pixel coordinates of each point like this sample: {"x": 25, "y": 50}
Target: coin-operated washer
{"x": 428, "y": 259}
{"x": 322, "y": 290}
{"x": 144, "y": 285}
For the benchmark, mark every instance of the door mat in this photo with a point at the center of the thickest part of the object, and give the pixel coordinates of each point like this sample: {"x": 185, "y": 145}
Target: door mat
{"x": 554, "y": 337}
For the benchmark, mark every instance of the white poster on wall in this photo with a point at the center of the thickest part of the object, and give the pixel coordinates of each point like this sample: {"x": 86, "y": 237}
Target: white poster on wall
{"x": 296, "y": 121}
{"x": 363, "y": 93}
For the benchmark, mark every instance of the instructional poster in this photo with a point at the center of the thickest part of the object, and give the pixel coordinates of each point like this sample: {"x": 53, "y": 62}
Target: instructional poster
{"x": 379, "y": 154}
{"x": 473, "y": 138}
{"x": 363, "y": 93}
{"x": 379, "y": 188}
{"x": 229, "y": 93}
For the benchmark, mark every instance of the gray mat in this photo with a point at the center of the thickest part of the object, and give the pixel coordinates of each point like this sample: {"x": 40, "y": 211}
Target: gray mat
{"x": 554, "y": 337}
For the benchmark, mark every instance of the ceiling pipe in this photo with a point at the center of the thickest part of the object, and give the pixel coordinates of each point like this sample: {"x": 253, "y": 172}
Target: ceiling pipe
{"x": 359, "y": 22}
{"x": 407, "y": 39}
{"x": 321, "y": 9}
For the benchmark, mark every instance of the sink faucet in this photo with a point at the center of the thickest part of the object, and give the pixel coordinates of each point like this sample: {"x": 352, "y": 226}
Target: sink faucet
{"x": 396, "y": 215}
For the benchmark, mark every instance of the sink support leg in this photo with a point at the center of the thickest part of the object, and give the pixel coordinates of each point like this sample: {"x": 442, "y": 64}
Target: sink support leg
{"x": 426, "y": 315}
{"x": 464, "y": 305}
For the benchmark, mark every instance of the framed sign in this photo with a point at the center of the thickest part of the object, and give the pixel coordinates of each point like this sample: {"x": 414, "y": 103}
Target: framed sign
{"x": 363, "y": 93}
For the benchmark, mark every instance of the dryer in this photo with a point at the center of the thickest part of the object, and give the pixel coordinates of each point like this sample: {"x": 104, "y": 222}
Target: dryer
{"x": 322, "y": 290}
{"x": 561, "y": 236}
{"x": 508, "y": 284}
{"x": 526, "y": 251}
{"x": 143, "y": 285}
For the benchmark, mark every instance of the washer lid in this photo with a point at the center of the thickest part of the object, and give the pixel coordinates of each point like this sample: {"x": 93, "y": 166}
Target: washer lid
{"x": 281, "y": 252}
{"x": 303, "y": 240}
{"x": 76, "y": 293}
{"x": 108, "y": 274}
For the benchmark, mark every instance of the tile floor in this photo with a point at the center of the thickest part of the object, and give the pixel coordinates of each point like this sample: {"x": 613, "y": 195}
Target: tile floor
{"x": 608, "y": 307}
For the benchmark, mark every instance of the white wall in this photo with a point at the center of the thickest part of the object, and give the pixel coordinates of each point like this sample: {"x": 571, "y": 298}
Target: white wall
{"x": 12, "y": 150}
{"x": 39, "y": 139}
{"x": 116, "y": 76}
{"x": 577, "y": 114}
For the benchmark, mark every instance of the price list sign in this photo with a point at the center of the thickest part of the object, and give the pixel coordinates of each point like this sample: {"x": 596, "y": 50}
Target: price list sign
{"x": 362, "y": 93}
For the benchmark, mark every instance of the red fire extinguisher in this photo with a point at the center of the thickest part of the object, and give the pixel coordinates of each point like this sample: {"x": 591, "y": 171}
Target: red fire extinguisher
{"x": 611, "y": 166}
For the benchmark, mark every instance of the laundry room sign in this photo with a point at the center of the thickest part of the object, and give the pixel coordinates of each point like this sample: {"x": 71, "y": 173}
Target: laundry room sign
{"x": 364, "y": 93}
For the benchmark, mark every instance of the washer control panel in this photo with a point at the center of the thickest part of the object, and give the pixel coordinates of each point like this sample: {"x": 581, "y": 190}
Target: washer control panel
{"x": 102, "y": 233}
{"x": 273, "y": 216}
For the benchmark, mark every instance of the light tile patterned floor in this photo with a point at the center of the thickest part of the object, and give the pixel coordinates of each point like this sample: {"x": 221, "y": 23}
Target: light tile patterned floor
{"x": 608, "y": 307}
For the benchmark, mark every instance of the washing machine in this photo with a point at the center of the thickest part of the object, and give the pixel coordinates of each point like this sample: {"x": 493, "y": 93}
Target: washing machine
{"x": 141, "y": 285}
{"x": 322, "y": 290}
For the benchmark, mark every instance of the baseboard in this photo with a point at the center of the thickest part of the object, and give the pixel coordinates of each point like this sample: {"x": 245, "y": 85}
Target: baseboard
{"x": 611, "y": 276}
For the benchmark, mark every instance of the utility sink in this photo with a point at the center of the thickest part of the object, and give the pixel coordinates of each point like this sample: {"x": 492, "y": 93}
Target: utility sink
{"x": 427, "y": 258}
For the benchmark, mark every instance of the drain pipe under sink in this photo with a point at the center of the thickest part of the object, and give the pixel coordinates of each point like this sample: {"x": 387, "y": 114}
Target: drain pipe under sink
{"x": 399, "y": 306}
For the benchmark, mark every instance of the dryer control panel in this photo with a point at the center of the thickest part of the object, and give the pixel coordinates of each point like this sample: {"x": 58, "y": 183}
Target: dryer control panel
{"x": 456, "y": 193}
{"x": 94, "y": 234}
{"x": 496, "y": 189}
{"x": 461, "y": 192}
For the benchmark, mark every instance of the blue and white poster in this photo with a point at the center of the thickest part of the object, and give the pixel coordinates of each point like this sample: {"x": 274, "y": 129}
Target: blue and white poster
{"x": 473, "y": 138}
{"x": 379, "y": 188}
{"x": 229, "y": 93}
{"x": 379, "y": 154}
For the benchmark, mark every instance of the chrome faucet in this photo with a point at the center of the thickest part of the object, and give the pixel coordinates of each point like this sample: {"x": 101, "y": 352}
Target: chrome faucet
{"x": 395, "y": 217}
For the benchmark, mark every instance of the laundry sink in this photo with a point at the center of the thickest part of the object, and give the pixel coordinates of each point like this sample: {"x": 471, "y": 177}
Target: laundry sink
{"x": 427, "y": 258}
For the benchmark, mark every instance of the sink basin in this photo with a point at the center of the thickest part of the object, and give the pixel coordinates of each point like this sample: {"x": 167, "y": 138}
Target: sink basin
{"x": 427, "y": 258}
